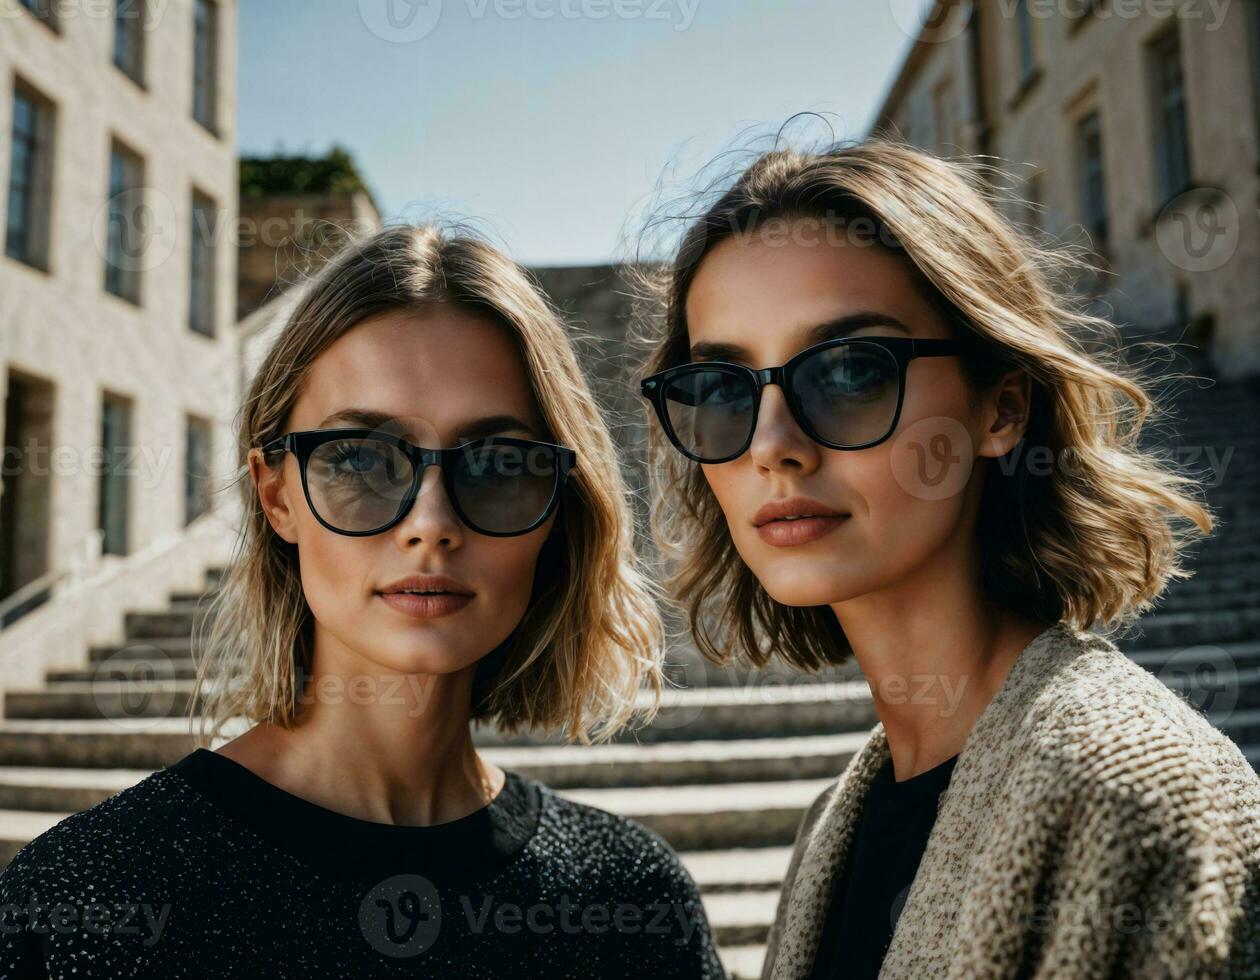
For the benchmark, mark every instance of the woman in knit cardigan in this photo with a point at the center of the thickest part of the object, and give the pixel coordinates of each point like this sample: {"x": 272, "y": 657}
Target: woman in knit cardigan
{"x": 887, "y": 432}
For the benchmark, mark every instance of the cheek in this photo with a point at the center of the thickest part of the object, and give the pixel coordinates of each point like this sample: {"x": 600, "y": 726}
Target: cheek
{"x": 930, "y": 458}
{"x": 507, "y": 566}
{"x": 336, "y": 569}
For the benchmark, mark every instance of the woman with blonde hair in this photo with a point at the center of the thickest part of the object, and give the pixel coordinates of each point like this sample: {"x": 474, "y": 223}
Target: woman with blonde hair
{"x": 435, "y": 533}
{"x": 887, "y": 433}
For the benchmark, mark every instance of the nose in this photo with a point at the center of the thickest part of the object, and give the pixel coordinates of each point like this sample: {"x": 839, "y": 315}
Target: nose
{"x": 778, "y": 442}
{"x": 432, "y": 520}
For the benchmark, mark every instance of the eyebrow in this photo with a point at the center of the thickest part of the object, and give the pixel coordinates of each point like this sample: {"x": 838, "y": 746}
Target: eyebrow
{"x": 832, "y": 329}
{"x": 475, "y": 429}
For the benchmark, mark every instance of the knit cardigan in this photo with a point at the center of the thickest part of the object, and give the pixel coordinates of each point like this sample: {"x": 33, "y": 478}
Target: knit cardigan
{"x": 1095, "y": 825}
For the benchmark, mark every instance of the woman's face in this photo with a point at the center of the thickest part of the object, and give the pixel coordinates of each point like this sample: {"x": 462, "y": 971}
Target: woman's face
{"x": 441, "y": 378}
{"x": 906, "y": 497}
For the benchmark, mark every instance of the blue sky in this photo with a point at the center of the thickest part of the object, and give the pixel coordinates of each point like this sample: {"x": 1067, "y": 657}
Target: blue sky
{"x": 553, "y": 122}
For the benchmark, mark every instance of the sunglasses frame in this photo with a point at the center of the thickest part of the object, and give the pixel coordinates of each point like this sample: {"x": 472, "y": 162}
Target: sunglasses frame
{"x": 902, "y": 349}
{"x": 303, "y": 443}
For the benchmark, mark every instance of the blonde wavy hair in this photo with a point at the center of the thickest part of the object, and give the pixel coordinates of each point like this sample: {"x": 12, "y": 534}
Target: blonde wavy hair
{"x": 1092, "y": 543}
{"x": 591, "y": 637}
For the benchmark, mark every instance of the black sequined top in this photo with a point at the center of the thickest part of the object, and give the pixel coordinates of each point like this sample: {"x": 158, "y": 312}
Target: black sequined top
{"x": 204, "y": 869}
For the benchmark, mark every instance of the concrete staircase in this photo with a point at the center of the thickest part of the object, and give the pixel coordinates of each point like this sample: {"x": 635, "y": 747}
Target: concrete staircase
{"x": 728, "y": 767}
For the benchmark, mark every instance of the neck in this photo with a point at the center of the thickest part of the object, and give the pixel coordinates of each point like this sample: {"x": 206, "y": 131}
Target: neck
{"x": 378, "y": 745}
{"x": 934, "y": 650}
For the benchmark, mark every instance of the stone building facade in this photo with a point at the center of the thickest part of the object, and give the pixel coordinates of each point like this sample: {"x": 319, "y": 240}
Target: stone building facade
{"x": 117, "y": 297}
{"x": 1129, "y": 127}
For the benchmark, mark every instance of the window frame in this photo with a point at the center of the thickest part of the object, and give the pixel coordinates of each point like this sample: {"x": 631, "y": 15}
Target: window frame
{"x": 205, "y": 72}
{"x": 197, "y": 477}
{"x": 136, "y": 67}
{"x": 1099, "y": 226}
{"x": 125, "y": 283}
{"x": 114, "y": 490}
{"x": 1173, "y": 176}
{"x": 202, "y": 264}
{"x": 35, "y": 249}
{"x": 44, "y": 11}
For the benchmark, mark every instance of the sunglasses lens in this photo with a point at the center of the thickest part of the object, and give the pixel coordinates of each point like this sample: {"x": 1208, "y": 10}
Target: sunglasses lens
{"x": 358, "y": 484}
{"x": 504, "y": 488}
{"x": 848, "y": 393}
{"x": 710, "y": 412}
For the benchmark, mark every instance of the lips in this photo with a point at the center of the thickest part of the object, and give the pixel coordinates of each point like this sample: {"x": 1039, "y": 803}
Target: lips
{"x": 789, "y": 507}
{"x": 434, "y": 584}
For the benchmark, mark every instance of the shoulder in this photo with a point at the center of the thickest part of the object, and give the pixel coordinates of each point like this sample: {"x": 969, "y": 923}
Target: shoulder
{"x": 1130, "y": 758}
{"x": 115, "y": 840}
{"x": 608, "y": 847}
{"x": 619, "y": 873}
{"x": 1105, "y": 718}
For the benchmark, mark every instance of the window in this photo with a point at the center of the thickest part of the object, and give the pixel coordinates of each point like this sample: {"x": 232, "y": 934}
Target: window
{"x": 30, "y": 178}
{"x": 1034, "y": 203}
{"x": 128, "y": 227}
{"x": 201, "y": 272}
{"x": 945, "y": 125}
{"x": 43, "y": 10}
{"x": 1253, "y": 28}
{"x": 129, "y": 28}
{"x": 197, "y": 446}
{"x": 1093, "y": 188}
{"x": 920, "y": 131}
{"x": 115, "y": 462}
{"x": 205, "y": 64}
{"x": 1172, "y": 140}
{"x": 1081, "y": 12}
{"x": 1027, "y": 52}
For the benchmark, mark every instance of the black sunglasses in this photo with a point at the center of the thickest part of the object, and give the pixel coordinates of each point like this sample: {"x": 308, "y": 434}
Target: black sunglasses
{"x": 364, "y": 481}
{"x": 845, "y": 394}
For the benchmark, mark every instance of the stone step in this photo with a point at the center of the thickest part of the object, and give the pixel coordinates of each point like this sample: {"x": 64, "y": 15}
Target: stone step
{"x": 680, "y": 673}
{"x": 158, "y": 648}
{"x": 701, "y": 817}
{"x": 1229, "y": 595}
{"x": 158, "y": 624}
{"x": 1220, "y": 656}
{"x": 1242, "y": 724}
{"x": 803, "y": 708}
{"x": 36, "y": 788}
{"x": 169, "y": 659}
{"x": 737, "y": 870}
{"x": 741, "y": 918}
{"x": 742, "y": 962}
{"x": 20, "y": 827}
{"x": 1232, "y": 570}
{"x": 193, "y": 598}
{"x": 1170, "y": 629}
{"x": 31, "y": 787}
{"x": 120, "y": 743}
{"x": 178, "y": 669}
{"x": 692, "y": 817}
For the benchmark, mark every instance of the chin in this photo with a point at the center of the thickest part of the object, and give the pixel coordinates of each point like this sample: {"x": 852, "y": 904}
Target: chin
{"x": 419, "y": 658}
{"x": 802, "y": 586}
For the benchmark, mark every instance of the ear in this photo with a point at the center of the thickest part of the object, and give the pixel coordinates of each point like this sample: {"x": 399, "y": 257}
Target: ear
{"x": 275, "y": 493}
{"x": 1006, "y": 413}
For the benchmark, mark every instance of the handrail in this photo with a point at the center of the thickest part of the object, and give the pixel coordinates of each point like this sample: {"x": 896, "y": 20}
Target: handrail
{"x": 82, "y": 560}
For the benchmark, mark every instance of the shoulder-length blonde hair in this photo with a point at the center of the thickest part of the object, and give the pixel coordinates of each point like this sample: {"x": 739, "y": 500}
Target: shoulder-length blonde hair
{"x": 1093, "y": 540}
{"x": 591, "y": 636}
